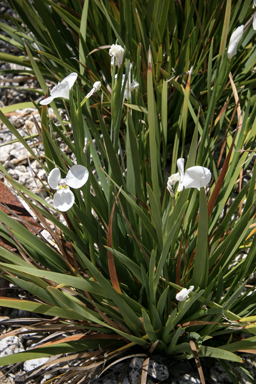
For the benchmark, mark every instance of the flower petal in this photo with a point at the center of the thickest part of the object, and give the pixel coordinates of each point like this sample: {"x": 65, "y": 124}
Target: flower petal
{"x": 63, "y": 199}
{"x": 196, "y": 177}
{"x": 234, "y": 41}
{"x": 77, "y": 176}
{"x": 70, "y": 79}
{"x": 183, "y": 294}
{"x": 118, "y": 52}
{"x": 133, "y": 85}
{"x": 97, "y": 86}
{"x": 54, "y": 178}
{"x": 254, "y": 22}
{"x": 61, "y": 90}
{"x": 46, "y": 101}
{"x": 180, "y": 165}
{"x": 173, "y": 179}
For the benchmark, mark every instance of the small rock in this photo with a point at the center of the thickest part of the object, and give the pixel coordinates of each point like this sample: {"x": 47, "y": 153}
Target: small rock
{"x": 158, "y": 371}
{"x": 46, "y": 377}
{"x": 29, "y": 125}
{"x": 30, "y": 365}
{"x": 5, "y": 153}
{"x": 137, "y": 362}
{"x": 10, "y": 345}
{"x": 4, "y": 156}
{"x": 155, "y": 370}
{"x": 135, "y": 376}
{"x": 19, "y": 152}
{"x": 5, "y": 379}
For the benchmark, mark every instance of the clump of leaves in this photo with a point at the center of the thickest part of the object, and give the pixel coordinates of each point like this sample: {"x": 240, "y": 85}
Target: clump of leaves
{"x": 127, "y": 246}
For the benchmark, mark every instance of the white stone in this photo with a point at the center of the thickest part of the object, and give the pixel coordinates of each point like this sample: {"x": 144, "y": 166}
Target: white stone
{"x": 158, "y": 371}
{"x": 19, "y": 153}
{"x": 4, "y": 156}
{"x": 10, "y": 345}
{"x": 137, "y": 362}
{"x": 155, "y": 370}
{"x": 30, "y": 365}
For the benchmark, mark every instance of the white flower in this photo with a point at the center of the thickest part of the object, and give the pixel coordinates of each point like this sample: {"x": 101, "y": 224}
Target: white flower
{"x": 183, "y": 294}
{"x": 96, "y": 87}
{"x": 254, "y": 21}
{"x": 76, "y": 177}
{"x": 194, "y": 177}
{"x": 116, "y": 51}
{"x": 61, "y": 89}
{"x": 234, "y": 41}
{"x": 129, "y": 86}
{"x": 254, "y": 17}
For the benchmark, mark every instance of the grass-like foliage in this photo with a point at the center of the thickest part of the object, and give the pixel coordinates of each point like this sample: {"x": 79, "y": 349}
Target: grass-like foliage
{"x": 128, "y": 245}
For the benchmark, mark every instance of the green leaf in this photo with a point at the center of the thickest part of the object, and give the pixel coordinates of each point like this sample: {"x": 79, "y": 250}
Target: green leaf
{"x": 131, "y": 319}
{"x": 56, "y": 349}
{"x": 137, "y": 108}
{"x": 44, "y": 309}
{"x": 148, "y": 327}
{"x": 71, "y": 281}
{"x": 153, "y": 135}
{"x": 16, "y": 107}
{"x": 82, "y": 36}
{"x": 219, "y": 353}
{"x": 201, "y": 263}
{"x": 156, "y": 216}
{"x": 37, "y": 71}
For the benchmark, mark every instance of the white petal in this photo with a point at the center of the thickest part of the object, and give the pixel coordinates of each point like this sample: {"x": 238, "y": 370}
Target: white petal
{"x": 183, "y": 294}
{"x": 63, "y": 199}
{"x": 46, "y": 101}
{"x": 129, "y": 87}
{"x": 132, "y": 86}
{"x": 196, "y": 177}
{"x": 127, "y": 94}
{"x": 254, "y": 22}
{"x": 180, "y": 165}
{"x": 97, "y": 86}
{"x": 118, "y": 52}
{"x": 77, "y": 176}
{"x": 234, "y": 41}
{"x": 90, "y": 93}
{"x": 173, "y": 179}
{"x": 54, "y": 178}
{"x": 180, "y": 187}
{"x": 71, "y": 79}
{"x": 61, "y": 90}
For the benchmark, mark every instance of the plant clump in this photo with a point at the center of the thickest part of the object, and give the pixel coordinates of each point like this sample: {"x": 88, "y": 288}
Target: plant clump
{"x": 147, "y": 248}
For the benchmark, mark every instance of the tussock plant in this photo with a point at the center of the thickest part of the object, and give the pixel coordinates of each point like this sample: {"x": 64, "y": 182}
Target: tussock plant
{"x": 154, "y": 242}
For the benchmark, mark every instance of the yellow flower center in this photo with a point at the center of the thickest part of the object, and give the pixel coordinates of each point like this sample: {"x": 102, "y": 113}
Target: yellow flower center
{"x": 63, "y": 186}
